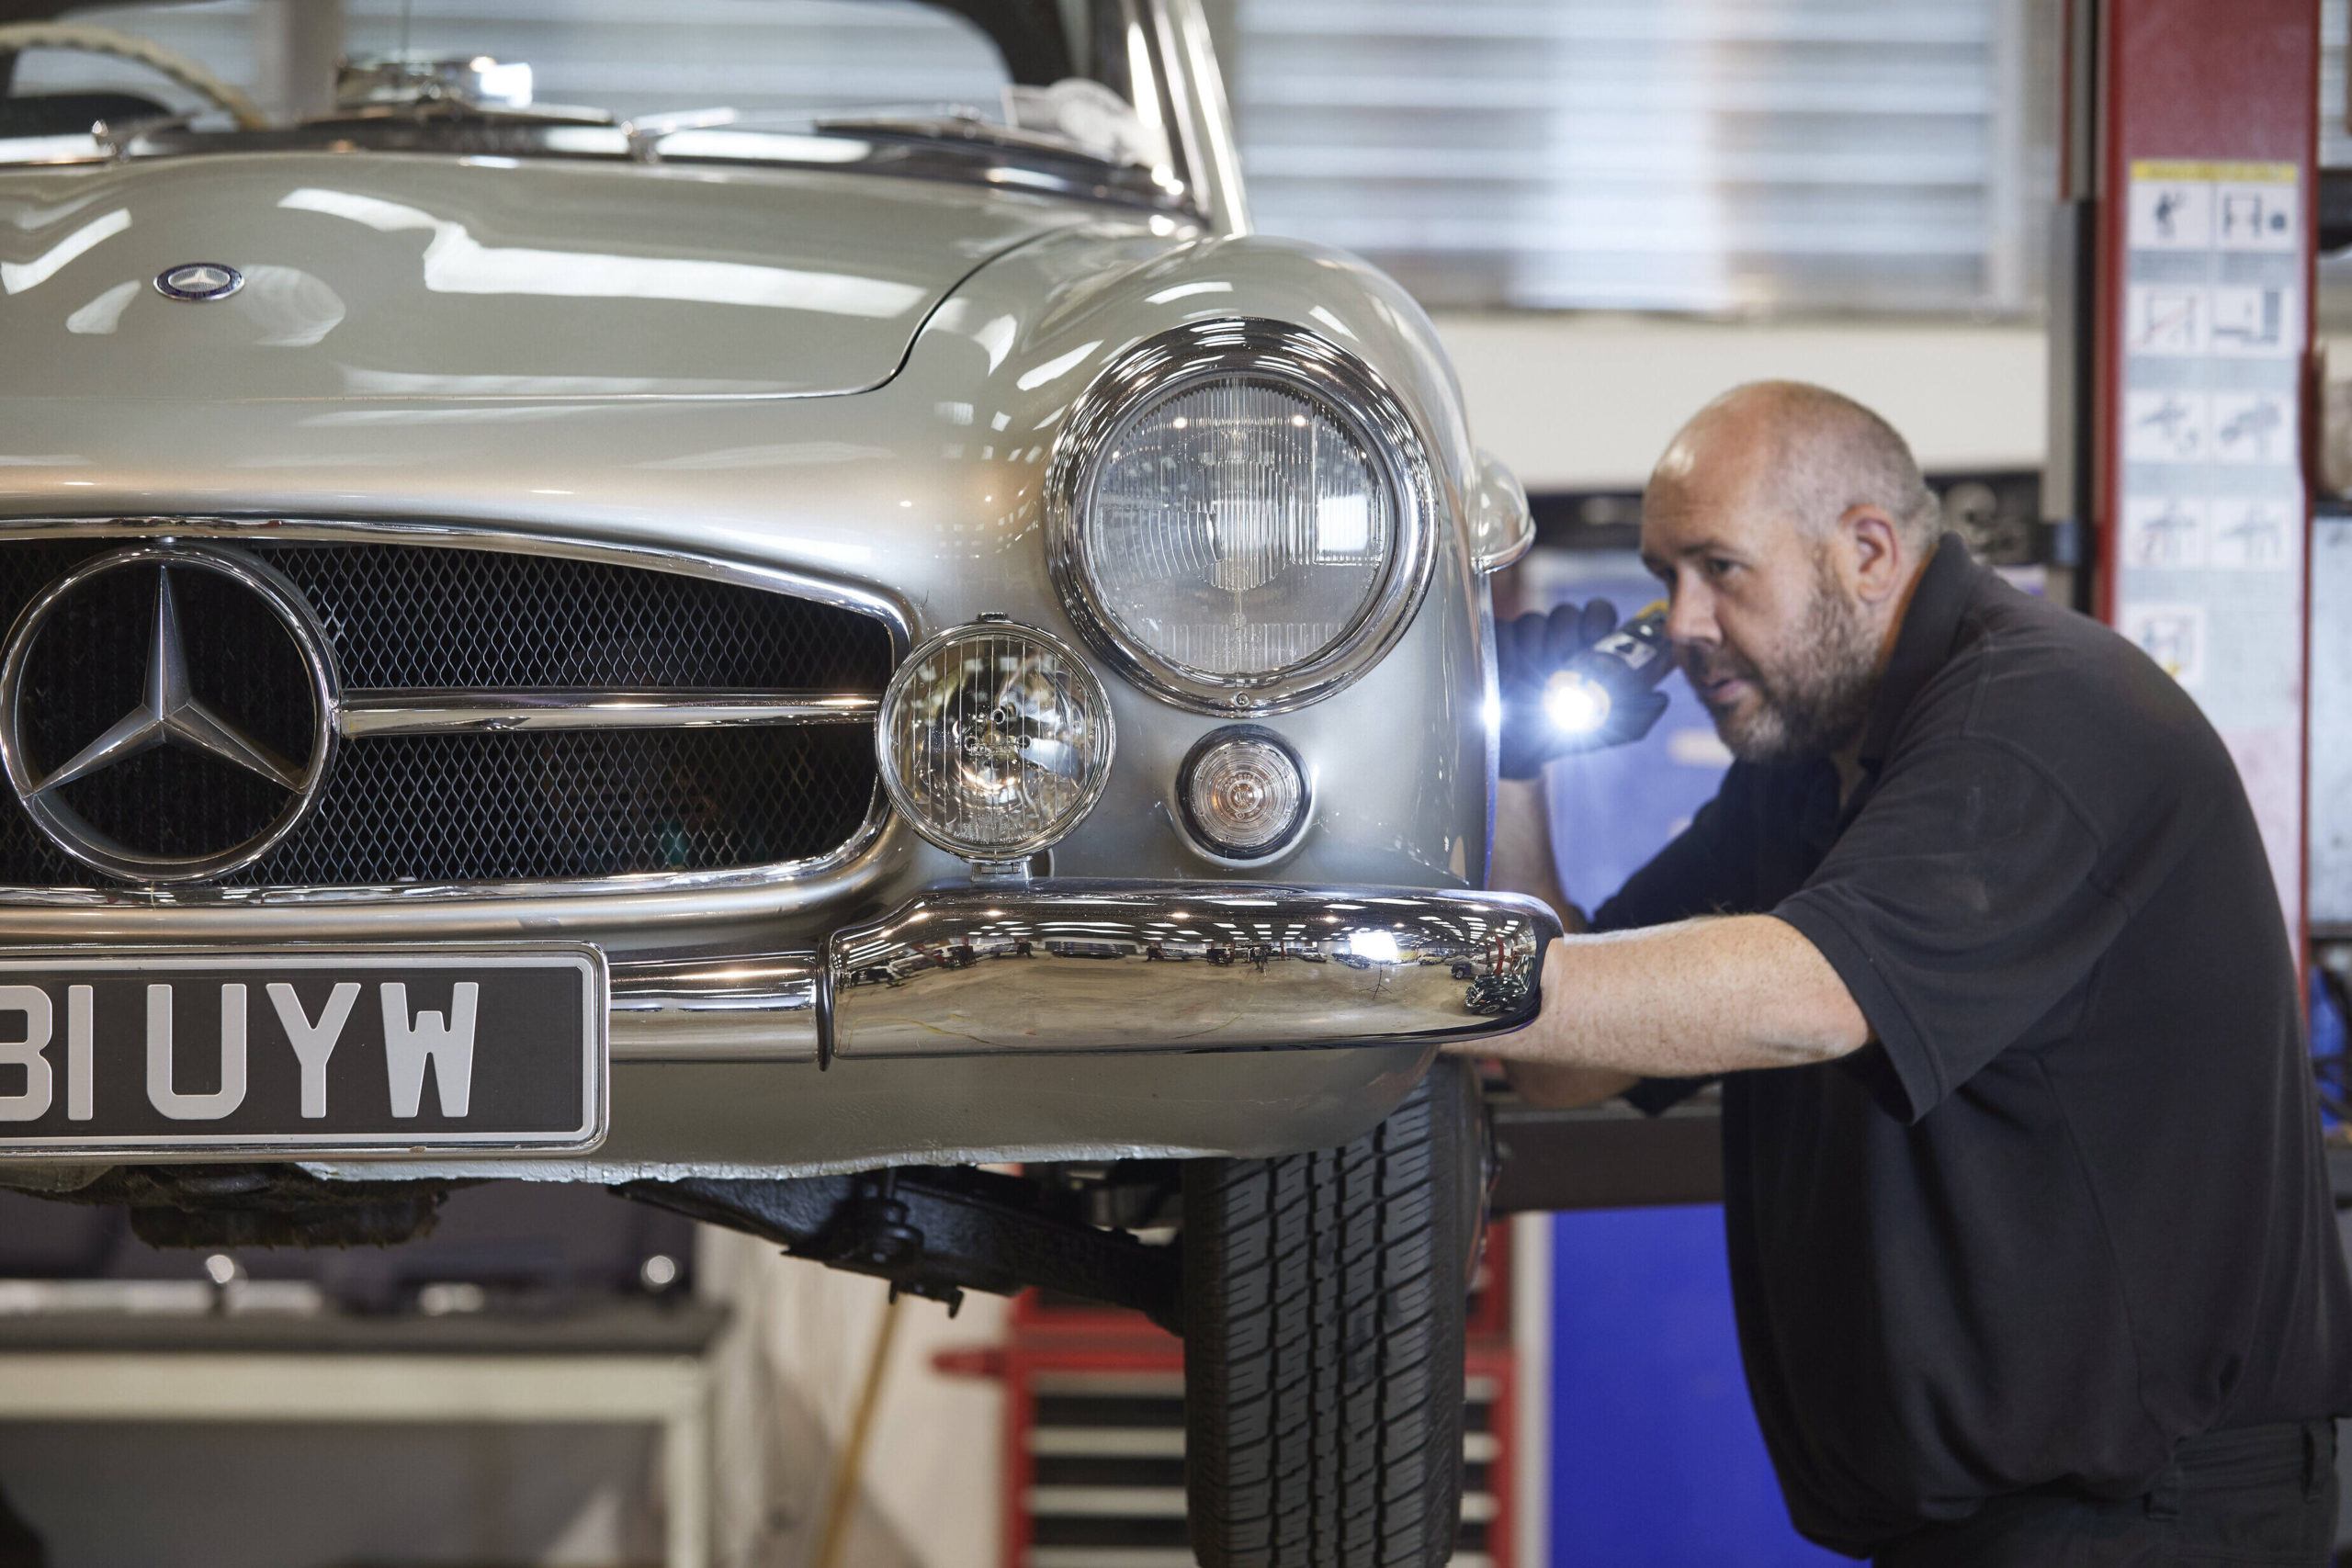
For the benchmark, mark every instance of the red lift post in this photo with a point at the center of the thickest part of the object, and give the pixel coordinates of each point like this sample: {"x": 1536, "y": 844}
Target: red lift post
{"x": 2182, "y": 378}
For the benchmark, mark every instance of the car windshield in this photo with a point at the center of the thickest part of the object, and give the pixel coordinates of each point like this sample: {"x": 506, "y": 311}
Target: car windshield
{"x": 1067, "y": 90}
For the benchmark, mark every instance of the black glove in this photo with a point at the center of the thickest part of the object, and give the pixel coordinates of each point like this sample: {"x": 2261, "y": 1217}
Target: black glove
{"x": 1528, "y": 651}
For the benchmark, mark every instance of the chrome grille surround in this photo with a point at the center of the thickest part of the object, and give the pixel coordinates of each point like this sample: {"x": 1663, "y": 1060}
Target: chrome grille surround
{"x": 577, "y": 892}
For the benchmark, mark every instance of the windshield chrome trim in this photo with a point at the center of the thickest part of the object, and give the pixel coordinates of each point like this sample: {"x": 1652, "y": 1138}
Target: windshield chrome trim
{"x": 884, "y": 149}
{"x": 42, "y": 152}
{"x": 1195, "y": 84}
{"x": 424, "y": 711}
{"x": 894, "y": 617}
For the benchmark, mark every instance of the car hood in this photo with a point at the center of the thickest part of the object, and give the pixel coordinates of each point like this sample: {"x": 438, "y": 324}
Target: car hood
{"x": 417, "y": 278}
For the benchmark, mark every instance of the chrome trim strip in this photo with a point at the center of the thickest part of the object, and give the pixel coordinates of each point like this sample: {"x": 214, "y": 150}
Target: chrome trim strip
{"x": 606, "y": 892}
{"x": 1163, "y": 366}
{"x": 609, "y": 898}
{"x": 716, "y": 1009}
{"x": 1081, "y": 966}
{"x": 428, "y": 712}
{"x": 796, "y": 890}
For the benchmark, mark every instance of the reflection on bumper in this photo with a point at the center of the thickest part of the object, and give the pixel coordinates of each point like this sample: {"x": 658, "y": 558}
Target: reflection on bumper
{"x": 1105, "y": 966}
{"x": 709, "y": 1009}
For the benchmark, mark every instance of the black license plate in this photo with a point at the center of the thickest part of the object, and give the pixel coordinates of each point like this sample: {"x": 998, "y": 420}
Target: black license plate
{"x": 123, "y": 1054}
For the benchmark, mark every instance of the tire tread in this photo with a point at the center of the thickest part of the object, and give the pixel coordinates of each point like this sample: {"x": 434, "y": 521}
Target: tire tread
{"x": 1323, "y": 1346}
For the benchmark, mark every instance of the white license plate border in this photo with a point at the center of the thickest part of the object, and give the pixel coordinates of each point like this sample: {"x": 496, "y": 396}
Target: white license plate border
{"x": 595, "y": 1048}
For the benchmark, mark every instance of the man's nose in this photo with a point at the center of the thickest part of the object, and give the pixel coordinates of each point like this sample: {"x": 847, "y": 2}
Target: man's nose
{"x": 1689, "y": 618}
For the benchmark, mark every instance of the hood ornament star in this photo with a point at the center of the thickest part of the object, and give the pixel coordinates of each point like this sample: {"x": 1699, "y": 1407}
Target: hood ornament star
{"x": 173, "y": 715}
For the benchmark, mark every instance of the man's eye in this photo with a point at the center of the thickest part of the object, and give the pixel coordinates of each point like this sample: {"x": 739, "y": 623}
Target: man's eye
{"x": 1718, "y": 567}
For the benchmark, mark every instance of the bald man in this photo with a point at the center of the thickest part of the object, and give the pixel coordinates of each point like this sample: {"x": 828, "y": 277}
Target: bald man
{"x": 2031, "y": 1242}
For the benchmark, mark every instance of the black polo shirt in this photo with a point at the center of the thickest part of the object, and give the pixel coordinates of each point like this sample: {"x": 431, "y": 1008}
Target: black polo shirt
{"x": 2071, "y": 1207}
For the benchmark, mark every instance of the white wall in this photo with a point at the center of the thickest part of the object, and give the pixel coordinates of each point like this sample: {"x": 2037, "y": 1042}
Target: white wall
{"x": 787, "y": 1384}
{"x": 1582, "y": 402}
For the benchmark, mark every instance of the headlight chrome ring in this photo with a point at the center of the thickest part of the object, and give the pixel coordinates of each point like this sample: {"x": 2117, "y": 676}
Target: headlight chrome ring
{"x": 1286, "y": 359}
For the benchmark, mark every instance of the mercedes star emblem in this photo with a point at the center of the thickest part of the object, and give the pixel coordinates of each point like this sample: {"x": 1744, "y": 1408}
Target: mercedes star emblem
{"x": 200, "y": 281}
{"x": 183, "y": 753}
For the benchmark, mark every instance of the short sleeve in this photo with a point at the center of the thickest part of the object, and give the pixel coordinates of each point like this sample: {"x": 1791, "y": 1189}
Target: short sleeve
{"x": 1961, "y": 906}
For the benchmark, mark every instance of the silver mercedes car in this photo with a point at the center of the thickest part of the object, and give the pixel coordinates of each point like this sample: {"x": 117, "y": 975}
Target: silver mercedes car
{"x": 782, "y": 663}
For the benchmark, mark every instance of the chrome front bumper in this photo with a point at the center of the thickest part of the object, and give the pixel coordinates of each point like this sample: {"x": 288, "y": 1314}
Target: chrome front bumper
{"x": 1093, "y": 967}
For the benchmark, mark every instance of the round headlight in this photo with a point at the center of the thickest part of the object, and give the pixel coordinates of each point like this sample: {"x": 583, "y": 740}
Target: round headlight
{"x": 1239, "y": 516}
{"x": 1243, "y": 792}
{"x": 994, "y": 740}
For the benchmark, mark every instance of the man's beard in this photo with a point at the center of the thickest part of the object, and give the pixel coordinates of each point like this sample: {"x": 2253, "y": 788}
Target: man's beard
{"x": 1817, "y": 702}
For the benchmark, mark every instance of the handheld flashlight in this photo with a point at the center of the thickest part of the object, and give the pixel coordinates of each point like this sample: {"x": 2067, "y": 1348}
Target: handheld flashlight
{"x": 1629, "y": 662}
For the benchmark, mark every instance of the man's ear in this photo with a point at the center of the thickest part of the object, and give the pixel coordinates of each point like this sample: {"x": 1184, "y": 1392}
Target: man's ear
{"x": 1878, "y": 552}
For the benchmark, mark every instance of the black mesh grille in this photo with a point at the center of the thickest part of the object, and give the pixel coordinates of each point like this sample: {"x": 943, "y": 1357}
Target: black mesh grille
{"x": 487, "y": 619}
{"x": 460, "y": 809}
{"x": 562, "y": 803}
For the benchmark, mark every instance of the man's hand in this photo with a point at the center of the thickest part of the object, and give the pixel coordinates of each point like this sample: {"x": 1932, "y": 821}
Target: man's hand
{"x": 1529, "y": 650}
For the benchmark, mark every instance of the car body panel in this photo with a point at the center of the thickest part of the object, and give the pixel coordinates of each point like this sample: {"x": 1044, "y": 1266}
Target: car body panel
{"x": 376, "y": 276}
{"x": 925, "y": 492}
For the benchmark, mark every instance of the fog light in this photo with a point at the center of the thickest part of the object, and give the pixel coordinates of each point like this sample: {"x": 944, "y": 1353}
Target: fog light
{"x": 1243, "y": 793}
{"x": 994, "y": 740}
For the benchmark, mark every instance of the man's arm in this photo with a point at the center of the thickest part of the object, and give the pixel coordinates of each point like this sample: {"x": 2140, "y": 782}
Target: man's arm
{"x": 1523, "y": 862}
{"x": 1689, "y": 1000}
{"x": 1682, "y": 1000}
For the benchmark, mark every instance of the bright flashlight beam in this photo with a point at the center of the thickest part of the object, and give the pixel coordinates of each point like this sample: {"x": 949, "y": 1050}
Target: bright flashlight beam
{"x": 1575, "y": 705}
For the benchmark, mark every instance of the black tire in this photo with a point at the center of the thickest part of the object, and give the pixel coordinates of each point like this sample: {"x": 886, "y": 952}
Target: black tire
{"x": 1323, "y": 1324}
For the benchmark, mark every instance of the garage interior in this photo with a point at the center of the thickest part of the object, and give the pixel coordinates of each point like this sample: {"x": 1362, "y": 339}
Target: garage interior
{"x": 1613, "y": 211}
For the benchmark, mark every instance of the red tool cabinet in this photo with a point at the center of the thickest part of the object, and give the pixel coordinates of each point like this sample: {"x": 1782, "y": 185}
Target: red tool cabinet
{"x": 1093, "y": 1439}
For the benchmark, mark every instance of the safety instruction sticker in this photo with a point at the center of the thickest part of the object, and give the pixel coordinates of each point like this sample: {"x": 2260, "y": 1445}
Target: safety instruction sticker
{"x": 2212, "y": 512}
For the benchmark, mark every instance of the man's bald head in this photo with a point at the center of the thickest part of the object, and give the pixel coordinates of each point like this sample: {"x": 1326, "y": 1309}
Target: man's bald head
{"x": 1805, "y": 451}
{"x": 1788, "y": 524}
